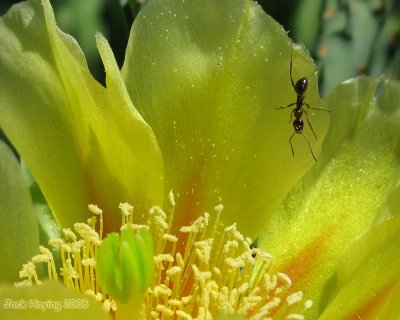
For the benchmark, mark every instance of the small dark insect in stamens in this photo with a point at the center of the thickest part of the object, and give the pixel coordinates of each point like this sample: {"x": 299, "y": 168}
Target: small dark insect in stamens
{"x": 300, "y": 87}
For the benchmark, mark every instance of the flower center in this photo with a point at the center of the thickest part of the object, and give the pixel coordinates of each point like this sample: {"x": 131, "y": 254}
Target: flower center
{"x": 219, "y": 272}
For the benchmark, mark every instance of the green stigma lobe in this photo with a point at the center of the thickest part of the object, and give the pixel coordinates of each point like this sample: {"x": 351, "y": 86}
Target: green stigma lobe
{"x": 125, "y": 264}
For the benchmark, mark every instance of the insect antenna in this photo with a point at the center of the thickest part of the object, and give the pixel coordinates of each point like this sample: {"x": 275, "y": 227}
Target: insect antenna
{"x": 314, "y": 73}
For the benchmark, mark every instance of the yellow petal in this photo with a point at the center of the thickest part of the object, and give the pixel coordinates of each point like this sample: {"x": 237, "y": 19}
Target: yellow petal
{"x": 208, "y": 78}
{"x": 344, "y": 194}
{"x": 19, "y": 238}
{"x": 368, "y": 277}
{"x": 82, "y": 142}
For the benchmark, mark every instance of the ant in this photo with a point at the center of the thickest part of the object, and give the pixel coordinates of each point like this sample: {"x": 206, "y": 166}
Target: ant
{"x": 300, "y": 88}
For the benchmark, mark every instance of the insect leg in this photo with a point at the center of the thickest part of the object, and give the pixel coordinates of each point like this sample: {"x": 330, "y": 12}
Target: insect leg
{"x": 309, "y": 123}
{"x": 309, "y": 145}
{"x": 314, "y": 72}
{"x": 321, "y": 109}
{"x": 291, "y": 115}
{"x": 291, "y": 146}
{"x": 287, "y": 106}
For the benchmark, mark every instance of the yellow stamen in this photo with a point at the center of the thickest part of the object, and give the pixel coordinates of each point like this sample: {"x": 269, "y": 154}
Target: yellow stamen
{"x": 218, "y": 271}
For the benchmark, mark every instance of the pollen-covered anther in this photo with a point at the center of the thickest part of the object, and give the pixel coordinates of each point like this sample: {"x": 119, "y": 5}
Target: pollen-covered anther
{"x": 77, "y": 246}
{"x": 126, "y": 209}
{"x": 135, "y": 227}
{"x": 92, "y": 221}
{"x": 201, "y": 277}
{"x": 95, "y": 209}
{"x": 162, "y": 291}
{"x": 45, "y": 256}
{"x": 203, "y": 250}
{"x": 170, "y": 237}
{"x": 174, "y": 272}
{"x": 171, "y": 198}
{"x": 69, "y": 235}
{"x": 308, "y": 304}
{"x": 56, "y": 242}
{"x": 166, "y": 312}
{"x": 126, "y": 214}
{"x": 87, "y": 233}
{"x": 109, "y": 305}
{"x": 99, "y": 297}
{"x": 199, "y": 225}
{"x": 183, "y": 315}
{"x": 219, "y": 208}
{"x": 294, "y": 298}
{"x": 166, "y": 257}
{"x": 29, "y": 271}
{"x": 158, "y": 220}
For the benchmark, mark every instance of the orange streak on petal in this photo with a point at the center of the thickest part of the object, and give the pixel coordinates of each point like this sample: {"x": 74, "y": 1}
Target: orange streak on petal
{"x": 300, "y": 267}
{"x": 370, "y": 308}
{"x": 186, "y": 212}
{"x": 188, "y": 208}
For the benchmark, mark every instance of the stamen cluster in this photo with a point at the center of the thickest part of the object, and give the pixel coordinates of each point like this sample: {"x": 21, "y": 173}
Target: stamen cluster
{"x": 205, "y": 270}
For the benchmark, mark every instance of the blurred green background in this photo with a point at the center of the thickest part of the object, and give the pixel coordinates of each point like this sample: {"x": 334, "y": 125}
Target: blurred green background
{"x": 347, "y": 38}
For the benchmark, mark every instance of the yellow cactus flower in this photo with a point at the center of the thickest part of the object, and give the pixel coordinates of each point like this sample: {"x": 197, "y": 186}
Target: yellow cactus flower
{"x": 162, "y": 180}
